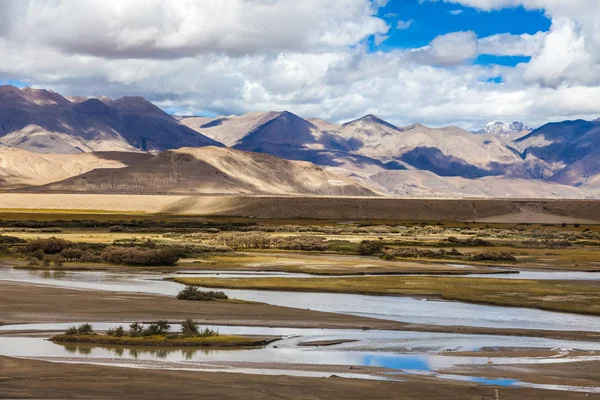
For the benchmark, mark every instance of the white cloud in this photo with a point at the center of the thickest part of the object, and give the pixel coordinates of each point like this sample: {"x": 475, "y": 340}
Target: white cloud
{"x": 175, "y": 29}
{"x": 450, "y": 49}
{"x": 455, "y": 12}
{"x": 380, "y": 39}
{"x": 512, "y": 45}
{"x": 402, "y": 25}
{"x": 309, "y": 57}
{"x": 570, "y": 53}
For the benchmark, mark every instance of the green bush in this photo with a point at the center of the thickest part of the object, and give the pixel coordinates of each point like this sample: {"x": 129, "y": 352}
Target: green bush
{"x": 469, "y": 241}
{"x": 118, "y": 331}
{"x": 140, "y": 256}
{"x": 10, "y": 240}
{"x": 157, "y": 328}
{"x": 208, "y": 333}
{"x": 85, "y": 329}
{"x": 370, "y": 247}
{"x": 491, "y": 256}
{"x": 72, "y": 330}
{"x": 193, "y": 293}
{"x": 136, "y": 329}
{"x": 189, "y": 328}
{"x": 47, "y": 246}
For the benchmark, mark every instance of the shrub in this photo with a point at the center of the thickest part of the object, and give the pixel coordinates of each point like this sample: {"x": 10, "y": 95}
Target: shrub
{"x": 136, "y": 329}
{"x": 157, "y": 328}
{"x": 48, "y": 246}
{"x": 469, "y": 241}
{"x": 193, "y": 293}
{"x": 85, "y": 329}
{"x": 71, "y": 254}
{"x": 33, "y": 262}
{"x": 58, "y": 261}
{"x": 491, "y": 256}
{"x": 189, "y": 328}
{"x": 11, "y": 239}
{"x": 118, "y": 331}
{"x": 208, "y": 333}
{"x": 136, "y": 256}
{"x": 72, "y": 330}
{"x": 90, "y": 257}
{"x": 370, "y": 247}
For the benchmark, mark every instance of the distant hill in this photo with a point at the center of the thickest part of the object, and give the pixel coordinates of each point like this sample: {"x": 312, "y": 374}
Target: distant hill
{"x": 213, "y": 170}
{"x": 569, "y": 150}
{"x": 19, "y": 168}
{"x": 380, "y": 145}
{"x": 286, "y": 135}
{"x": 45, "y": 122}
{"x": 428, "y": 184}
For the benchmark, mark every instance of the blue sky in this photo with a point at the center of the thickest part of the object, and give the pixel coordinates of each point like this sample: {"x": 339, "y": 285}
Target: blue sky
{"x": 428, "y": 19}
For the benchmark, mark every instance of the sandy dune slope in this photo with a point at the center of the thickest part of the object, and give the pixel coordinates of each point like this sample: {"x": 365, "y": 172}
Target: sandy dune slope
{"x": 22, "y": 168}
{"x": 213, "y": 170}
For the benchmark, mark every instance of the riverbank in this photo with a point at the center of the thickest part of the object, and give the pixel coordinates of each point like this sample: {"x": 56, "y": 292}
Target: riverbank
{"x": 22, "y": 378}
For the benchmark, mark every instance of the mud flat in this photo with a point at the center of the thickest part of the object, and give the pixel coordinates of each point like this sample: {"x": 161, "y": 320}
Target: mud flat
{"x": 581, "y": 373}
{"x": 22, "y": 378}
{"x": 304, "y": 207}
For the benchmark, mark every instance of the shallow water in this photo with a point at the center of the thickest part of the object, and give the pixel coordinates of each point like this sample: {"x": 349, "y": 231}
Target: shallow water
{"x": 418, "y": 355}
{"x": 369, "y": 340}
{"x": 536, "y": 275}
{"x": 405, "y": 309}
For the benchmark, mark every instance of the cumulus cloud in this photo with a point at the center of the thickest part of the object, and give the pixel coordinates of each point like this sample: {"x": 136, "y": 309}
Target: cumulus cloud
{"x": 175, "y": 29}
{"x": 450, "y": 49}
{"x": 570, "y": 53}
{"x": 506, "y": 44}
{"x": 402, "y": 25}
{"x": 310, "y": 57}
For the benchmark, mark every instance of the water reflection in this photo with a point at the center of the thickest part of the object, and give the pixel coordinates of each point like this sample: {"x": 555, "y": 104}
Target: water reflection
{"x": 135, "y": 353}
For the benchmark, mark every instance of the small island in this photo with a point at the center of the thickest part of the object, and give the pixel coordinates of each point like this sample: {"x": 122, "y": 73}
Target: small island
{"x": 158, "y": 334}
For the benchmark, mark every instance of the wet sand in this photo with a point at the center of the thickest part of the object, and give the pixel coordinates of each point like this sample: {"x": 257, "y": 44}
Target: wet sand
{"x": 22, "y": 303}
{"x": 21, "y": 378}
{"x": 581, "y": 373}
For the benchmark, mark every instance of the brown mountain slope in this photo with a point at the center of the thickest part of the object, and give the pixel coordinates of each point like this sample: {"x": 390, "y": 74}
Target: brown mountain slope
{"x": 213, "y": 170}
{"x": 20, "y": 168}
{"x": 43, "y": 121}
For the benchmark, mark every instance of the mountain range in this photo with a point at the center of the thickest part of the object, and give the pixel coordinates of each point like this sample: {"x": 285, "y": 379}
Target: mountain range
{"x": 502, "y": 160}
{"x": 45, "y": 122}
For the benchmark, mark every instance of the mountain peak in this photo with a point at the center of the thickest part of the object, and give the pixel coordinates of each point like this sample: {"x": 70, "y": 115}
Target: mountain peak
{"x": 135, "y": 104}
{"x": 503, "y": 128}
{"x": 29, "y": 95}
{"x": 371, "y": 119}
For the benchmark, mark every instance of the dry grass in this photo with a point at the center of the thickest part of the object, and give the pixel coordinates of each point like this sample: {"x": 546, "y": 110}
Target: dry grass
{"x": 582, "y": 297}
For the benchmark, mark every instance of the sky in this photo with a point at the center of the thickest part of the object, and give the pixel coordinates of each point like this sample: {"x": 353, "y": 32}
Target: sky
{"x": 436, "y": 62}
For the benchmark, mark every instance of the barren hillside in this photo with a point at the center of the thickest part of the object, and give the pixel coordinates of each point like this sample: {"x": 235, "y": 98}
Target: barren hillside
{"x": 213, "y": 170}
{"x": 20, "y": 168}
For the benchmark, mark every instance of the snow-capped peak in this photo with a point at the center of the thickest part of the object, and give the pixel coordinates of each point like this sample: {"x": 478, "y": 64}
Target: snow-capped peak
{"x": 503, "y": 128}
